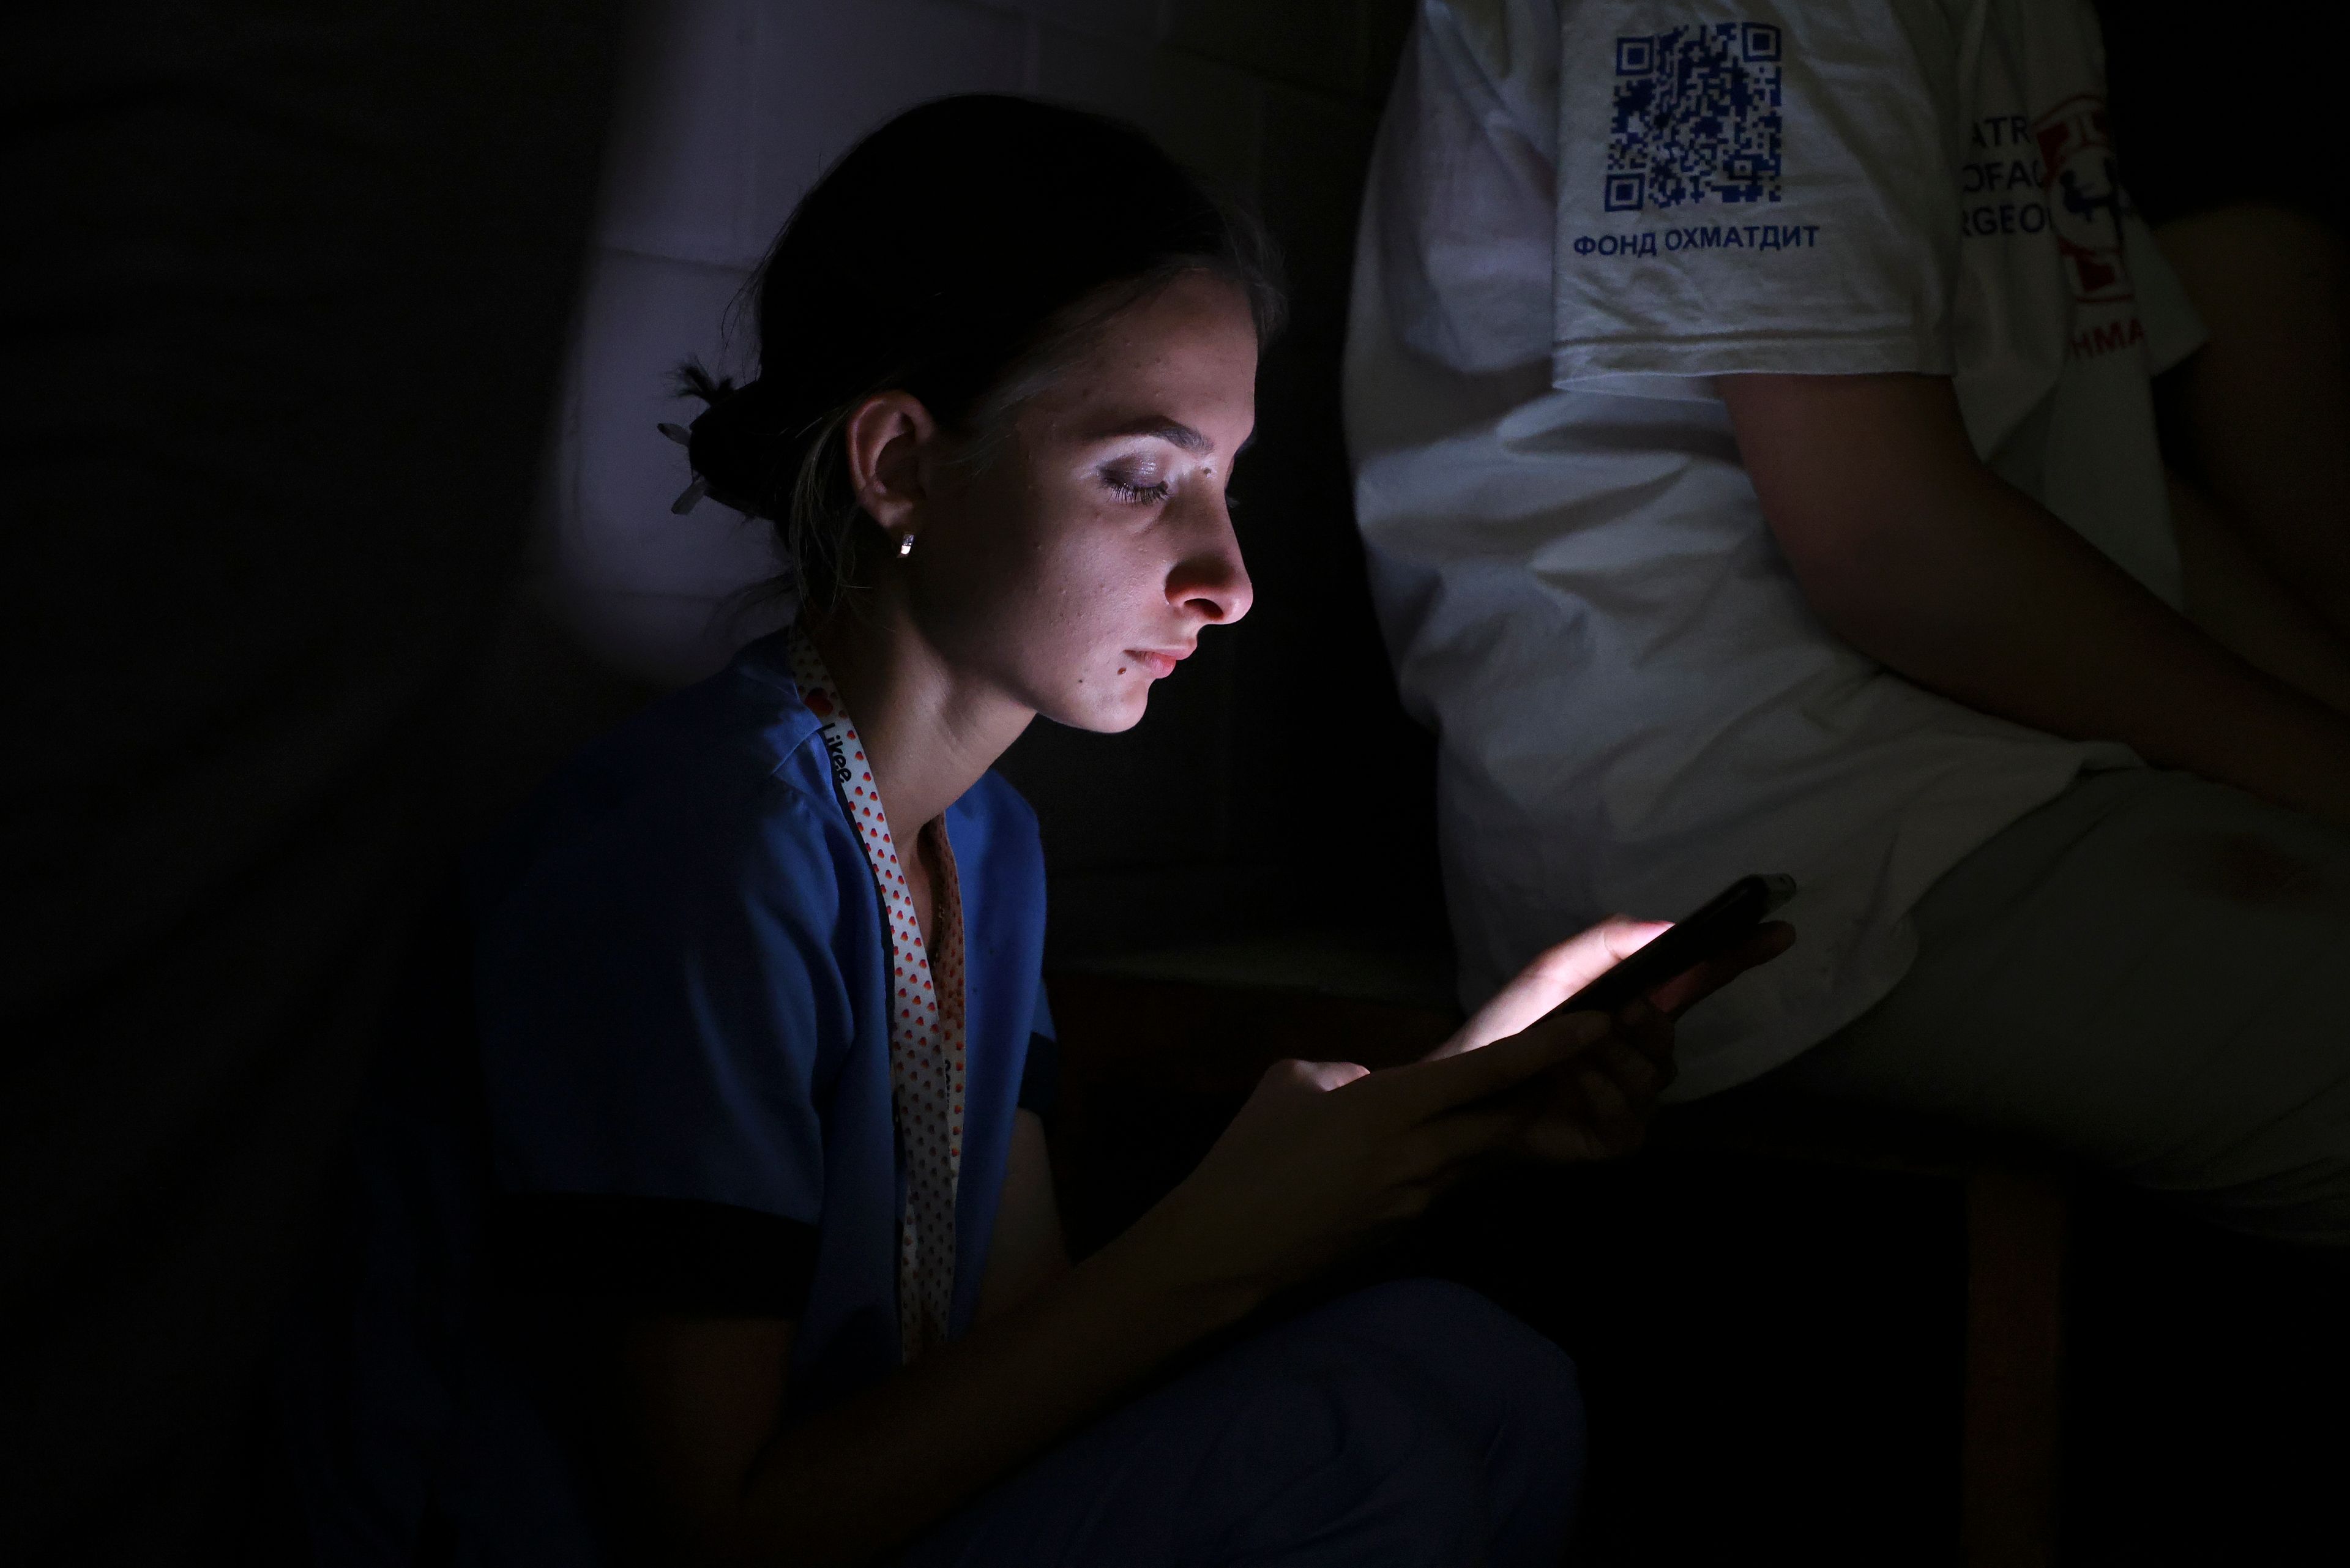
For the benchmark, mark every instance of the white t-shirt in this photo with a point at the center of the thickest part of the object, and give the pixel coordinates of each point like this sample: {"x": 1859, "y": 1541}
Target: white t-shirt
{"x": 1580, "y": 212}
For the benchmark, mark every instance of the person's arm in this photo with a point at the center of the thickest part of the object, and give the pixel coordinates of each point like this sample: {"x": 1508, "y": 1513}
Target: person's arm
{"x": 1027, "y": 1250}
{"x": 2231, "y": 595}
{"x": 699, "y": 1402}
{"x": 2264, "y": 405}
{"x": 1907, "y": 547}
{"x": 1322, "y": 1156}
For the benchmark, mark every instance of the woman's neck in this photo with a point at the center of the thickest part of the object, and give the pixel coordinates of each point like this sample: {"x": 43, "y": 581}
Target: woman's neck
{"x": 930, "y": 730}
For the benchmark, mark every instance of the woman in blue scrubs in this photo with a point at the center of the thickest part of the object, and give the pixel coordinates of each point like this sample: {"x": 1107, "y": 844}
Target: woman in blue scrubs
{"x": 755, "y": 1258}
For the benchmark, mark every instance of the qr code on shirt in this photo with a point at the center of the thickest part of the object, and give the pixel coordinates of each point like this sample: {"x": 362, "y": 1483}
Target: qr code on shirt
{"x": 1696, "y": 112}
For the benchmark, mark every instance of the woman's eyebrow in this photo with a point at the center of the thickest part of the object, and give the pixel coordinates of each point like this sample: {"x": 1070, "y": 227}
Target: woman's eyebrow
{"x": 1172, "y": 431}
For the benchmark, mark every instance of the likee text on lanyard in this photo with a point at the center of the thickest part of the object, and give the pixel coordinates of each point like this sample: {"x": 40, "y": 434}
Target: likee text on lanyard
{"x": 925, "y": 1034}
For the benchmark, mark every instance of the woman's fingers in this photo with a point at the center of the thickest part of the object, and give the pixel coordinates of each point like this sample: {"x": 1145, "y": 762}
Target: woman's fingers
{"x": 1439, "y": 1145}
{"x": 1293, "y": 1075}
{"x": 1679, "y": 993}
{"x": 1614, "y": 1124}
{"x": 1562, "y": 971}
{"x": 1611, "y": 1100}
{"x": 1428, "y": 1088}
{"x": 1646, "y": 1030}
{"x": 1663, "y": 1068}
{"x": 1597, "y": 1104}
{"x": 1555, "y": 976}
{"x": 1638, "y": 1076}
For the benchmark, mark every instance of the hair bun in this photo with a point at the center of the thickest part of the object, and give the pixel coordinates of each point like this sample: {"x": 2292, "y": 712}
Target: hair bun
{"x": 947, "y": 254}
{"x": 729, "y": 445}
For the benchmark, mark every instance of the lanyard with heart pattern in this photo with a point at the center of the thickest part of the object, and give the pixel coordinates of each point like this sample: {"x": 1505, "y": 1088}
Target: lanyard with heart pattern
{"x": 926, "y": 1018}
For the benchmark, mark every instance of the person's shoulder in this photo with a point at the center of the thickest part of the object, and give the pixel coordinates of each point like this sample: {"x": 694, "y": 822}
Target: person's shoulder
{"x": 1510, "y": 40}
{"x": 741, "y": 734}
{"x": 724, "y": 766}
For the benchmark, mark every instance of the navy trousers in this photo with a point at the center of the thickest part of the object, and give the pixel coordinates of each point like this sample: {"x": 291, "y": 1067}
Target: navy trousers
{"x": 1410, "y": 1423}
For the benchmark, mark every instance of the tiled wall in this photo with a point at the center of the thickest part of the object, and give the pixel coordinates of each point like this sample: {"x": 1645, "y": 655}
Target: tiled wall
{"x": 1274, "y": 783}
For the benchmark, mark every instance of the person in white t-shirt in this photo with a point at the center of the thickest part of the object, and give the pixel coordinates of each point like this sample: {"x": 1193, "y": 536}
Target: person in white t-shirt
{"x": 1754, "y": 447}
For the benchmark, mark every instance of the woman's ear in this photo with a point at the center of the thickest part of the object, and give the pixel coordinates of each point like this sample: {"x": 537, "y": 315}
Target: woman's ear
{"x": 886, "y": 436}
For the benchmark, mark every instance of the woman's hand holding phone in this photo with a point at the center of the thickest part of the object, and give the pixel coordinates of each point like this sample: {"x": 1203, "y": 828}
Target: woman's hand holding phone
{"x": 1596, "y": 1104}
{"x": 1327, "y": 1153}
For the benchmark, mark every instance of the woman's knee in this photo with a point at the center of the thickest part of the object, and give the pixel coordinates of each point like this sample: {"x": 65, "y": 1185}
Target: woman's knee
{"x": 1459, "y": 1341}
{"x": 1289, "y": 1449}
{"x": 1506, "y": 1394}
{"x": 1410, "y": 1423}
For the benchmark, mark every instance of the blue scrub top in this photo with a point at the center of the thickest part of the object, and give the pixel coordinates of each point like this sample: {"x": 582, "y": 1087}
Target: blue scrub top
{"x": 669, "y": 1092}
{"x": 682, "y": 997}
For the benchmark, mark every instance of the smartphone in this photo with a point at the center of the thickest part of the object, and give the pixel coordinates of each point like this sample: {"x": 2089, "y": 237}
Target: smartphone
{"x": 1726, "y": 920}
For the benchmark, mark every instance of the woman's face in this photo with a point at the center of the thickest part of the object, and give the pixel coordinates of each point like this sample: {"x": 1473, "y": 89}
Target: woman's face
{"x": 1079, "y": 564}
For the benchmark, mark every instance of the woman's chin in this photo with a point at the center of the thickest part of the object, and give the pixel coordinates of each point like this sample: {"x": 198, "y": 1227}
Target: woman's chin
{"x": 1107, "y": 712}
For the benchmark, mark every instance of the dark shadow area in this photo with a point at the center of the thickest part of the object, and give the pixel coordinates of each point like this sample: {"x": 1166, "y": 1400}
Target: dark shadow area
{"x": 1773, "y": 1349}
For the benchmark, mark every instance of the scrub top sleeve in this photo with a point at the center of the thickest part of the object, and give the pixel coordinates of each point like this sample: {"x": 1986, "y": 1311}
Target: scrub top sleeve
{"x": 659, "y": 1004}
{"x": 1772, "y": 186}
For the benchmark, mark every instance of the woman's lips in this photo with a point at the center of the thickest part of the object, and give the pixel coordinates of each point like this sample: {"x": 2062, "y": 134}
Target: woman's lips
{"x": 1161, "y": 663}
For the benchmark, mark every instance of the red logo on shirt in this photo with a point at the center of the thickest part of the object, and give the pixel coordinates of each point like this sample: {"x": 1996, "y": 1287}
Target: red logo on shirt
{"x": 2090, "y": 342}
{"x": 2085, "y": 197}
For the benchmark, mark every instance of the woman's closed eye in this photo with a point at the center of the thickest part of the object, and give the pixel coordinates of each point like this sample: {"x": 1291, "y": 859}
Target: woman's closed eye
{"x": 1143, "y": 484}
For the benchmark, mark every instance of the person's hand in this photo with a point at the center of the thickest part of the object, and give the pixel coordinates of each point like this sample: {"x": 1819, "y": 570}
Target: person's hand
{"x": 1688, "y": 988}
{"x": 1596, "y": 1104}
{"x": 1558, "y": 972}
{"x": 1327, "y": 1153}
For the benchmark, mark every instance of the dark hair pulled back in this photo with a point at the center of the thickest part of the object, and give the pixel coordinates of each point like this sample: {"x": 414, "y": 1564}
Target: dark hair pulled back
{"x": 957, "y": 254}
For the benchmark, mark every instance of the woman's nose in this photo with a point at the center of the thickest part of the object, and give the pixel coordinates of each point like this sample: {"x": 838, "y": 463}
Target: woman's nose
{"x": 1209, "y": 580}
